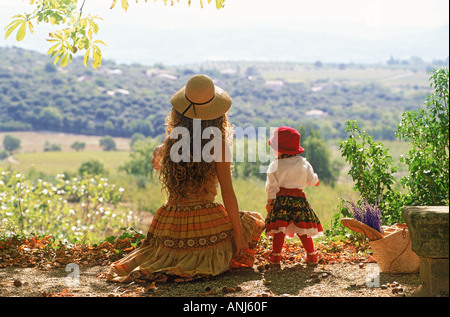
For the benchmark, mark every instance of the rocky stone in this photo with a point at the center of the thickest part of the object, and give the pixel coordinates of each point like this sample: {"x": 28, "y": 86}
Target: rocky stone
{"x": 429, "y": 230}
{"x": 434, "y": 276}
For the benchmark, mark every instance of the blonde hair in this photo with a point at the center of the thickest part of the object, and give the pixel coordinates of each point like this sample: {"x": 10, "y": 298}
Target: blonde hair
{"x": 179, "y": 178}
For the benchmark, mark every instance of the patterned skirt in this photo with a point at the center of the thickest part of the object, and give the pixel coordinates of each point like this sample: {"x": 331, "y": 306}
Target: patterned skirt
{"x": 188, "y": 242}
{"x": 293, "y": 214}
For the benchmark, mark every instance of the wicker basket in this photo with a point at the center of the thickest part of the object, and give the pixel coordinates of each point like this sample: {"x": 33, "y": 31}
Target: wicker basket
{"x": 392, "y": 250}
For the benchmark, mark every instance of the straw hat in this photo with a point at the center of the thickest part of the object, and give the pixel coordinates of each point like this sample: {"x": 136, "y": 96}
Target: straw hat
{"x": 201, "y": 99}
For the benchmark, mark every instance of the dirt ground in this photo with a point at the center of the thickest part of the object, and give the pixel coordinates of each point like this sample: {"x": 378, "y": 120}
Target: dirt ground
{"x": 299, "y": 280}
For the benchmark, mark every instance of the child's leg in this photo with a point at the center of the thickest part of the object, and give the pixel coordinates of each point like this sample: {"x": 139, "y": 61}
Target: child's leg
{"x": 308, "y": 244}
{"x": 277, "y": 247}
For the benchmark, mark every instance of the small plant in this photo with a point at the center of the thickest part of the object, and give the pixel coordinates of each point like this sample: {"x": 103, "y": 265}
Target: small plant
{"x": 69, "y": 209}
{"x": 427, "y": 130}
{"x": 372, "y": 169}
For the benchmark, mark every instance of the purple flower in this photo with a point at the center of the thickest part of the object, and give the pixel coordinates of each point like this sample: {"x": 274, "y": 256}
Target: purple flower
{"x": 366, "y": 213}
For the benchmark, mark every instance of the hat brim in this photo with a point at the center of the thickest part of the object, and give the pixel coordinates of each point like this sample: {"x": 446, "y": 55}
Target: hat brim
{"x": 298, "y": 150}
{"x": 220, "y": 104}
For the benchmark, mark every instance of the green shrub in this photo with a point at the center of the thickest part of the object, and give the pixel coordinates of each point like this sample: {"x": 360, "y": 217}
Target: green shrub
{"x": 372, "y": 170}
{"x": 427, "y": 131}
{"x": 92, "y": 167}
{"x": 44, "y": 208}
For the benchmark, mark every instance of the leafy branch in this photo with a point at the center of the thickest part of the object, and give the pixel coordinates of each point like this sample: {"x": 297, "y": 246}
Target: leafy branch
{"x": 78, "y": 33}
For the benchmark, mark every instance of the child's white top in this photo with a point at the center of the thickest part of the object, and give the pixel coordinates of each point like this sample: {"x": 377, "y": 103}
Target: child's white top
{"x": 290, "y": 172}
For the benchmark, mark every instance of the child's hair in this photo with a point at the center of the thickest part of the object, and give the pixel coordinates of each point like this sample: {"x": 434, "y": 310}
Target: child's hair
{"x": 282, "y": 155}
{"x": 179, "y": 178}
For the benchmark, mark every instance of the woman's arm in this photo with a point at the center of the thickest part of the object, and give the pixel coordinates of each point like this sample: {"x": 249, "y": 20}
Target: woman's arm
{"x": 223, "y": 171}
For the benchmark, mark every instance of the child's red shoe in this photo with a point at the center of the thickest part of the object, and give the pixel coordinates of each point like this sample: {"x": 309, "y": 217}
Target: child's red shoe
{"x": 312, "y": 258}
{"x": 275, "y": 259}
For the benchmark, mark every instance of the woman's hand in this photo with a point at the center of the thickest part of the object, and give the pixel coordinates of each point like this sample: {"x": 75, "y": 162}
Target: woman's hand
{"x": 241, "y": 245}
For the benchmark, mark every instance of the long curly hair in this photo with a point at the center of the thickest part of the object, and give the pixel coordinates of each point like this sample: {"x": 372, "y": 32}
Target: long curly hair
{"x": 179, "y": 178}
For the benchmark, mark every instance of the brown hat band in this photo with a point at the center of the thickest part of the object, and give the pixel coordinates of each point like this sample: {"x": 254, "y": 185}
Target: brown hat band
{"x": 192, "y": 104}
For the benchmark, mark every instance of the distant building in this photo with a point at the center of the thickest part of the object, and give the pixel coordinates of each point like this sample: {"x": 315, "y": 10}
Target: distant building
{"x": 315, "y": 113}
{"x": 160, "y": 73}
{"x": 114, "y": 71}
{"x": 228, "y": 71}
{"x": 274, "y": 84}
{"x": 84, "y": 78}
{"x": 118, "y": 91}
{"x": 167, "y": 76}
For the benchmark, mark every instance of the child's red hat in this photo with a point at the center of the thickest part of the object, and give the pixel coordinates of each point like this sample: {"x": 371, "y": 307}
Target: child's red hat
{"x": 286, "y": 140}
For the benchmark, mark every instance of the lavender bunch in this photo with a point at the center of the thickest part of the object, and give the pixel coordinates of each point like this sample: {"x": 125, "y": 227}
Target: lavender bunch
{"x": 366, "y": 213}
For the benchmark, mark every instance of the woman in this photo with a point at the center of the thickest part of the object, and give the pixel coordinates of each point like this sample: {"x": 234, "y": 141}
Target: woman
{"x": 191, "y": 235}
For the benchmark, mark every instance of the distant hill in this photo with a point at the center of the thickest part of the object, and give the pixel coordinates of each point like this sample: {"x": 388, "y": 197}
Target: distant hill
{"x": 294, "y": 44}
{"x": 120, "y": 100}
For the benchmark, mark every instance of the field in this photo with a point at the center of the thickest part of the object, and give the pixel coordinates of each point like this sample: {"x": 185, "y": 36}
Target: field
{"x": 34, "y": 141}
{"x": 52, "y": 163}
{"x": 394, "y": 77}
{"x": 31, "y": 154}
{"x": 390, "y": 77}
{"x": 145, "y": 197}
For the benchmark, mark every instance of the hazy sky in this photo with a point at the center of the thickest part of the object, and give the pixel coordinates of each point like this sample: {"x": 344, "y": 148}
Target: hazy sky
{"x": 357, "y": 18}
{"x": 267, "y": 12}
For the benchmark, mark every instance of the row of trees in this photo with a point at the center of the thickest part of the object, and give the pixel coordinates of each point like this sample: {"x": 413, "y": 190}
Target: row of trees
{"x": 12, "y": 143}
{"x": 318, "y": 153}
{"x": 121, "y": 100}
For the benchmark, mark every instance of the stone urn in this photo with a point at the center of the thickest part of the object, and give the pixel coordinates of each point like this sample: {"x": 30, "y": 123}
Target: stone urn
{"x": 429, "y": 231}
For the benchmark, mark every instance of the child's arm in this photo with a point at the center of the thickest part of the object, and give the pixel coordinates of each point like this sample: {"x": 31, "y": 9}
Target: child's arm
{"x": 311, "y": 179}
{"x": 272, "y": 188}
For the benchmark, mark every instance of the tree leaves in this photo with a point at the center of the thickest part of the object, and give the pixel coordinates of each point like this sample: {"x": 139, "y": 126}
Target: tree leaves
{"x": 79, "y": 31}
{"x": 219, "y": 3}
{"x": 21, "y": 22}
{"x": 70, "y": 40}
{"x": 46, "y": 252}
{"x": 372, "y": 169}
{"x": 427, "y": 130}
{"x": 125, "y": 5}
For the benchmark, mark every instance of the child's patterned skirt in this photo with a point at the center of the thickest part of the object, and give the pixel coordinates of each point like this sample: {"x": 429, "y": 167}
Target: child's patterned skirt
{"x": 292, "y": 214}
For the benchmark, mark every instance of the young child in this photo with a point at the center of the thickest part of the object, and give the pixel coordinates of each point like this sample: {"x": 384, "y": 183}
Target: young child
{"x": 288, "y": 210}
